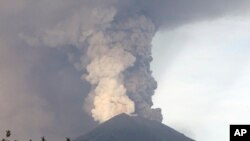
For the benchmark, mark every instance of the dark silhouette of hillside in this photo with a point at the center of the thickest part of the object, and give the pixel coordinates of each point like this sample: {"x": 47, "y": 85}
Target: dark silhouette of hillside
{"x": 127, "y": 128}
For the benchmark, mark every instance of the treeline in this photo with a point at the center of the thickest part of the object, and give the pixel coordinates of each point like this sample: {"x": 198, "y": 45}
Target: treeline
{"x": 8, "y": 134}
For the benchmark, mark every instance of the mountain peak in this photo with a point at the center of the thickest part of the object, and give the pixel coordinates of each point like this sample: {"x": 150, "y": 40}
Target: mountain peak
{"x": 132, "y": 128}
{"x": 122, "y": 116}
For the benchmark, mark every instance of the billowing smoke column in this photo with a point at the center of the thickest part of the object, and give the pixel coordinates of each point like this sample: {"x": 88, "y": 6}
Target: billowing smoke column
{"x": 115, "y": 59}
{"x": 119, "y": 70}
{"x": 113, "y": 39}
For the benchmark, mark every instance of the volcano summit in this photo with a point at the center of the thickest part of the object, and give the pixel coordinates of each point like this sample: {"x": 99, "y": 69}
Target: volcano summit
{"x": 132, "y": 128}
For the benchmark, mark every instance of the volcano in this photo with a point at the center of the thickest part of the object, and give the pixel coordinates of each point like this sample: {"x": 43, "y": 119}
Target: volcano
{"x": 132, "y": 128}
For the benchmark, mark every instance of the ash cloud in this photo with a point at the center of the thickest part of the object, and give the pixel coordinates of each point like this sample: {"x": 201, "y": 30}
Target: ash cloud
{"x": 89, "y": 33}
{"x": 116, "y": 60}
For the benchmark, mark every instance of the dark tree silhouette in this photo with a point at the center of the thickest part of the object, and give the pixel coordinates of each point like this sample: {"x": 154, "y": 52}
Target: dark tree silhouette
{"x": 43, "y": 139}
{"x": 8, "y": 133}
{"x": 67, "y": 139}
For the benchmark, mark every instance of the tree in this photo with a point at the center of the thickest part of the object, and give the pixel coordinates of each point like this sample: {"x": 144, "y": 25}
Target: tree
{"x": 43, "y": 139}
{"x": 8, "y": 133}
{"x": 67, "y": 139}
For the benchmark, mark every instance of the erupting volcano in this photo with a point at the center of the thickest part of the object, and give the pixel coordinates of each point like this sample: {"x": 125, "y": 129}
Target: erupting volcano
{"x": 127, "y": 128}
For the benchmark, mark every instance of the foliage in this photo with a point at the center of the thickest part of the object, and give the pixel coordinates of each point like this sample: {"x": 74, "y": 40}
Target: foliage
{"x": 8, "y": 135}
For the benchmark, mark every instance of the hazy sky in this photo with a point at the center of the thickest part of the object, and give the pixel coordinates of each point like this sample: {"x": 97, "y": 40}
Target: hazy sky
{"x": 203, "y": 72}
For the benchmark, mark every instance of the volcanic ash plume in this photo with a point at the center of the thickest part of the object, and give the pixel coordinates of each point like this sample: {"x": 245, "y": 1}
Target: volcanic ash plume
{"x": 105, "y": 74}
{"x": 119, "y": 69}
{"x": 116, "y": 60}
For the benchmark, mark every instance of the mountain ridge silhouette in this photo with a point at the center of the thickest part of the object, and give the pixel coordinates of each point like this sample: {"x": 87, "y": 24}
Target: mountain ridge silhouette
{"x": 132, "y": 128}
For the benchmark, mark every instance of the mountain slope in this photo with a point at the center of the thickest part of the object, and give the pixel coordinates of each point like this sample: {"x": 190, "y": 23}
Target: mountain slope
{"x": 126, "y": 128}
